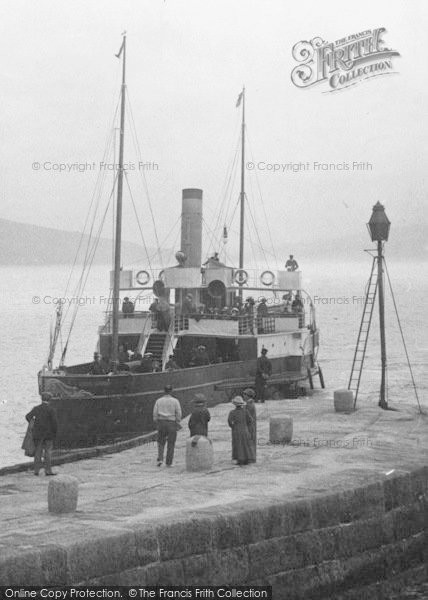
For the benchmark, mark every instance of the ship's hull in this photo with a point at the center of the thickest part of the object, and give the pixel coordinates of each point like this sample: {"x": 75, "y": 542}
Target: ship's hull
{"x": 121, "y": 406}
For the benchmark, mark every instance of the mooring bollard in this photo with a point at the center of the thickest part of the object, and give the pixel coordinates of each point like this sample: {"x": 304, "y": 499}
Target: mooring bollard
{"x": 199, "y": 454}
{"x": 343, "y": 401}
{"x": 280, "y": 430}
{"x": 62, "y": 494}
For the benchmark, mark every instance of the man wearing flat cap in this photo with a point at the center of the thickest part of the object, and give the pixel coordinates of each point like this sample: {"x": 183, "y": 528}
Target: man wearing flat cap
{"x": 44, "y": 432}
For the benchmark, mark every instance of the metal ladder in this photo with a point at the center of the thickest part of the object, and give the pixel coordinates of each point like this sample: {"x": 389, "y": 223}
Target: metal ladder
{"x": 363, "y": 334}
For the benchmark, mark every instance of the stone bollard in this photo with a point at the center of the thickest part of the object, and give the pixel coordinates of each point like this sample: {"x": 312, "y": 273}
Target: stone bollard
{"x": 343, "y": 401}
{"x": 62, "y": 494}
{"x": 199, "y": 454}
{"x": 280, "y": 430}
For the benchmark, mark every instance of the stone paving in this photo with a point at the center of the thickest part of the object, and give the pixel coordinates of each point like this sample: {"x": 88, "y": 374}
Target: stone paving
{"x": 330, "y": 451}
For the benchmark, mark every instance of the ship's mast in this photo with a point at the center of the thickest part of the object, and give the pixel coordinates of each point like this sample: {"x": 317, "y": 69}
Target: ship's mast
{"x": 242, "y": 195}
{"x": 118, "y": 237}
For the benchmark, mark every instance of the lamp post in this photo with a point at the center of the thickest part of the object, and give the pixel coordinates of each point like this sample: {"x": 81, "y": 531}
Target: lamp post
{"x": 378, "y": 227}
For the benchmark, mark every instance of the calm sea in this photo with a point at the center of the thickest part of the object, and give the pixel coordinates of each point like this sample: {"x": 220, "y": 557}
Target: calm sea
{"x": 27, "y": 304}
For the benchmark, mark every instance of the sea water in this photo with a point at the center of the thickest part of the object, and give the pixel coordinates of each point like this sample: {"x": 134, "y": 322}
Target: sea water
{"x": 30, "y": 295}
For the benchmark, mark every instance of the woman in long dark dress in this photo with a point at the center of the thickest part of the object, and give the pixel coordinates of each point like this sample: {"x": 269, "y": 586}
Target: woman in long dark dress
{"x": 249, "y": 396}
{"x": 240, "y": 421}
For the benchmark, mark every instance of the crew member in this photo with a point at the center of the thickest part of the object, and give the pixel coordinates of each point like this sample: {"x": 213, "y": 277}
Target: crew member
{"x": 263, "y": 372}
{"x": 291, "y": 264}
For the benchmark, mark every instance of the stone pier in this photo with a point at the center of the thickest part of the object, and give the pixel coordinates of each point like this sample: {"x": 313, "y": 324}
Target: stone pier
{"x": 341, "y": 512}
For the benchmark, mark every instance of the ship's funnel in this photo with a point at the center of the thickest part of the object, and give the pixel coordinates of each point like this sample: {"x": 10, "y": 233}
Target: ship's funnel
{"x": 191, "y": 227}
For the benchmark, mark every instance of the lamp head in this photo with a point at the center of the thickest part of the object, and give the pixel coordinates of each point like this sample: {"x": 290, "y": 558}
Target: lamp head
{"x": 379, "y": 224}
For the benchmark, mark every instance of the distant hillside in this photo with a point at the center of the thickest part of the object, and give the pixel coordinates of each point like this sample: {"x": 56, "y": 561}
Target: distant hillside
{"x": 406, "y": 242}
{"x": 23, "y": 244}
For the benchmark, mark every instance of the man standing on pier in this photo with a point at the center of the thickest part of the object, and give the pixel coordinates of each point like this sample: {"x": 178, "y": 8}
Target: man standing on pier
{"x": 167, "y": 417}
{"x": 44, "y": 433}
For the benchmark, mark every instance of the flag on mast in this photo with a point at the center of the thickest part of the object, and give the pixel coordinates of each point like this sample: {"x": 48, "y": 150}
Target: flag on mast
{"x": 238, "y": 102}
{"x": 121, "y": 48}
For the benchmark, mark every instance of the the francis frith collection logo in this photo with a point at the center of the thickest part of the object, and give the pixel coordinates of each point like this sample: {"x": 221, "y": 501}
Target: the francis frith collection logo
{"x": 342, "y": 63}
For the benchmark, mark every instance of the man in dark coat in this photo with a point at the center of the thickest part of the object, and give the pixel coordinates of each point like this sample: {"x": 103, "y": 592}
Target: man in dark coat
{"x": 198, "y": 422}
{"x": 248, "y": 395}
{"x": 240, "y": 421}
{"x": 263, "y": 372}
{"x": 44, "y": 433}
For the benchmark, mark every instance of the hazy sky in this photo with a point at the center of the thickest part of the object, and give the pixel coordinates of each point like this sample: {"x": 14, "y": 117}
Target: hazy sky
{"x": 187, "y": 61}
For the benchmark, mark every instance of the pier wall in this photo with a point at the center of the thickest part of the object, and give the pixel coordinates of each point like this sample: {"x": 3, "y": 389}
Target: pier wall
{"x": 351, "y": 543}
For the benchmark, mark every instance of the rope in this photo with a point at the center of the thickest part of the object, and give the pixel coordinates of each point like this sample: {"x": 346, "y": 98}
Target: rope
{"x": 402, "y": 338}
{"x": 96, "y": 194}
{"x": 84, "y": 277}
{"x": 262, "y": 202}
{"x": 138, "y": 223}
{"x": 142, "y": 175}
{"x": 257, "y": 231}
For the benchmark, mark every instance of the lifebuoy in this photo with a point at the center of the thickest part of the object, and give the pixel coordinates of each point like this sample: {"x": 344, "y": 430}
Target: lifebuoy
{"x": 142, "y": 277}
{"x": 241, "y": 276}
{"x": 270, "y": 280}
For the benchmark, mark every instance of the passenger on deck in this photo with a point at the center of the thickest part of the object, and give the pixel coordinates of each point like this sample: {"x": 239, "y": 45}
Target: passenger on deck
{"x": 262, "y": 311}
{"x": 156, "y": 366}
{"x": 106, "y": 364}
{"x": 96, "y": 367}
{"x": 171, "y": 365}
{"x": 127, "y": 308}
{"x": 288, "y": 300}
{"x": 291, "y": 264}
{"x": 201, "y": 357}
{"x": 154, "y": 309}
{"x": 146, "y": 364}
{"x": 122, "y": 366}
{"x": 187, "y": 307}
{"x": 198, "y": 421}
{"x": 297, "y": 304}
{"x": 123, "y": 355}
{"x": 263, "y": 372}
{"x": 163, "y": 314}
{"x": 248, "y": 310}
